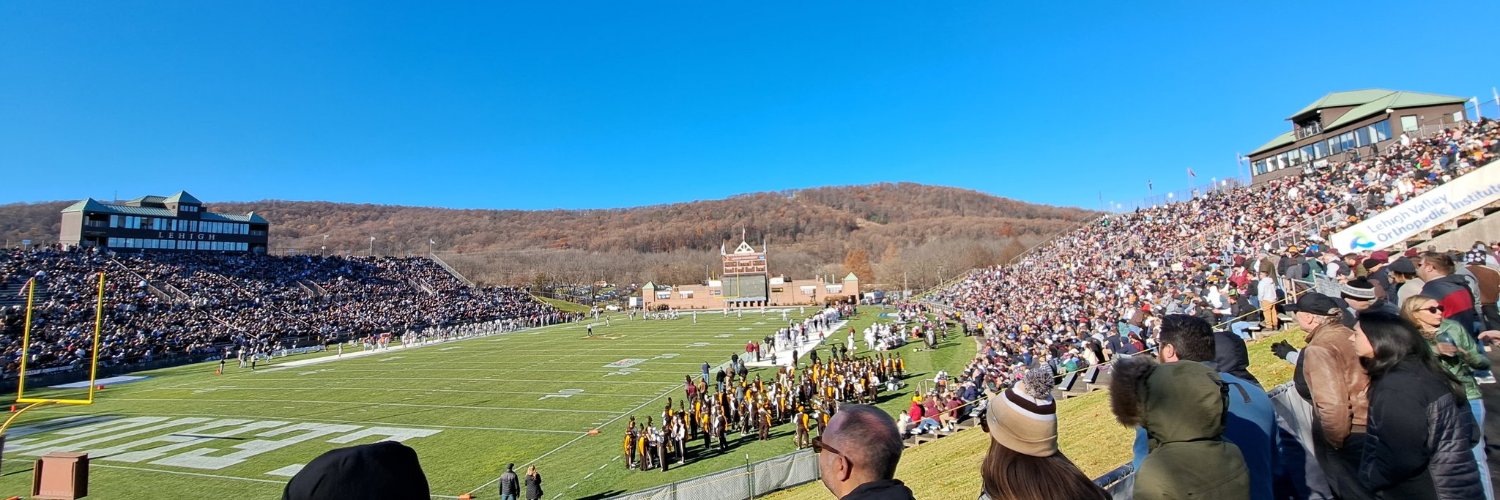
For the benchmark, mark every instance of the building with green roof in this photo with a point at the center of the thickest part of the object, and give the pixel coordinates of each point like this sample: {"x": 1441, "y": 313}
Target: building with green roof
{"x": 1344, "y": 126}
{"x": 150, "y": 223}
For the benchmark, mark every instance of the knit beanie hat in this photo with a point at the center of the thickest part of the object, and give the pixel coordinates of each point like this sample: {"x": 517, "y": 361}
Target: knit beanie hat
{"x": 1023, "y": 418}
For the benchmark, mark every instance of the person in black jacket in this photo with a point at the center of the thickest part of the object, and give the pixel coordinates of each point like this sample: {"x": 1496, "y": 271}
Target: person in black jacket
{"x": 509, "y": 487}
{"x": 533, "y": 484}
{"x": 1420, "y": 430}
{"x": 1231, "y": 356}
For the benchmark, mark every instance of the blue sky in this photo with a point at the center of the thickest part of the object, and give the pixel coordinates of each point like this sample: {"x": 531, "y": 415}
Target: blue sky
{"x": 581, "y": 104}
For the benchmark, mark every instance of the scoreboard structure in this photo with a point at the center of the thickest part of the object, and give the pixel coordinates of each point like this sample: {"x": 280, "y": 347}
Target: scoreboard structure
{"x": 745, "y": 278}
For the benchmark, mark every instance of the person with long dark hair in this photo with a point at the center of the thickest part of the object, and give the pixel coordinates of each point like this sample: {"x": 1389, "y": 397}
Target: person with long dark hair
{"x": 1459, "y": 354}
{"x": 1023, "y": 462}
{"x": 1420, "y": 428}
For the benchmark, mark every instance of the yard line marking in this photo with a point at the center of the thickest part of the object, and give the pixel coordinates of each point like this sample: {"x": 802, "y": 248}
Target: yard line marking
{"x": 198, "y": 474}
{"x": 400, "y": 389}
{"x": 288, "y": 471}
{"x": 471, "y": 379}
{"x": 320, "y": 419}
{"x": 362, "y": 403}
{"x": 596, "y": 369}
{"x": 581, "y": 436}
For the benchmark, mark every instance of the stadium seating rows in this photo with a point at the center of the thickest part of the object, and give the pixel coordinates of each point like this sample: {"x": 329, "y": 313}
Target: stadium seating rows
{"x": 172, "y": 304}
{"x": 1061, "y": 302}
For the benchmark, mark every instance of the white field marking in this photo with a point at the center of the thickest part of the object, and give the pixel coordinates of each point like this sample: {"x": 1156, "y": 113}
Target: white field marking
{"x": 197, "y": 474}
{"x": 576, "y": 370}
{"x": 398, "y": 389}
{"x": 326, "y": 420}
{"x": 471, "y": 379}
{"x": 639, "y": 347}
{"x": 587, "y": 476}
{"x": 288, "y": 471}
{"x": 392, "y": 358}
{"x": 581, "y": 436}
{"x": 361, "y": 403}
{"x": 373, "y": 352}
{"x": 451, "y": 348}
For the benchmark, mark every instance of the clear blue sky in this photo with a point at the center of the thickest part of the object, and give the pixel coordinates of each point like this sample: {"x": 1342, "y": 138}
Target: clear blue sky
{"x": 577, "y": 104}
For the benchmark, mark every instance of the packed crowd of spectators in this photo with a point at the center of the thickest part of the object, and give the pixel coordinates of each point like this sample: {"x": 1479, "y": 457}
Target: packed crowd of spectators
{"x": 1100, "y": 289}
{"x": 176, "y": 304}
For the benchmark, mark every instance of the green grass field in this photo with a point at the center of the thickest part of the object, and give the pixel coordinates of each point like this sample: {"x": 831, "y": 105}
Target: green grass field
{"x": 468, "y": 407}
{"x": 1087, "y": 433}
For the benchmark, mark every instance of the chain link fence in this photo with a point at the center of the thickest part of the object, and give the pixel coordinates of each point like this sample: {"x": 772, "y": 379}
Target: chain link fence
{"x": 750, "y": 481}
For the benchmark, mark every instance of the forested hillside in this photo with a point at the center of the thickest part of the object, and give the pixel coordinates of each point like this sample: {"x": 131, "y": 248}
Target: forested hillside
{"x": 883, "y": 232}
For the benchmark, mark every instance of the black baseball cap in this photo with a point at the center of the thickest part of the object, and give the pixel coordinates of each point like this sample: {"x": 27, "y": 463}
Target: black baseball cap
{"x": 1315, "y": 303}
{"x": 1402, "y": 265}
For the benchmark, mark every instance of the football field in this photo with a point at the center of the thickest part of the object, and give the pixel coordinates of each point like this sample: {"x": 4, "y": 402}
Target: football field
{"x": 468, "y": 407}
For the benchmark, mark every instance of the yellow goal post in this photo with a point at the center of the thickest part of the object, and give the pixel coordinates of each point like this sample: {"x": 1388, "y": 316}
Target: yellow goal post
{"x": 26, "y": 355}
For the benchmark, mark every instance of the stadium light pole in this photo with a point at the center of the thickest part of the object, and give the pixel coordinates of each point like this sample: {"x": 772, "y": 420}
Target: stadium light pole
{"x": 324, "y": 251}
{"x": 372, "y": 246}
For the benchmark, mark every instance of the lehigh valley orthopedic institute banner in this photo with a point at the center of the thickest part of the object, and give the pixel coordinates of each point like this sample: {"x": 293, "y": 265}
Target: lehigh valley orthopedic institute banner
{"x": 1464, "y": 194}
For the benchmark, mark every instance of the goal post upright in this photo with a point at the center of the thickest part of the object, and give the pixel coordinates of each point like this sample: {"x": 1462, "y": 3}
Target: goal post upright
{"x": 26, "y": 354}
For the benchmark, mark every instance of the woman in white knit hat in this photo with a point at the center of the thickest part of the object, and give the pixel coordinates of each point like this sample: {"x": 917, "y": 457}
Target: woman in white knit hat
{"x": 1023, "y": 462}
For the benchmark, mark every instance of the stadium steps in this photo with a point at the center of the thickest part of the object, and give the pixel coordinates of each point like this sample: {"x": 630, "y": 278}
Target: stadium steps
{"x": 443, "y": 264}
{"x": 14, "y": 294}
{"x": 312, "y": 290}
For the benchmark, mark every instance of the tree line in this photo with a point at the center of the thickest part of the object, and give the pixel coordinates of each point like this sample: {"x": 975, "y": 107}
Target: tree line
{"x": 885, "y": 233}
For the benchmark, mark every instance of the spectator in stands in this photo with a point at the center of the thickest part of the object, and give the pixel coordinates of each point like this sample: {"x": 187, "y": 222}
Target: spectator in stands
{"x": 1329, "y": 375}
{"x": 1183, "y": 408}
{"x": 1421, "y": 432}
{"x": 1265, "y": 290}
{"x": 381, "y": 471}
{"x": 1231, "y": 356}
{"x": 1358, "y": 296}
{"x": 1403, "y": 275}
{"x": 1437, "y": 272}
{"x": 1460, "y": 356}
{"x": 858, "y": 453}
{"x": 1488, "y": 280}
{"x": 1251, "y": 421}
{"x": 1023, "y": 462}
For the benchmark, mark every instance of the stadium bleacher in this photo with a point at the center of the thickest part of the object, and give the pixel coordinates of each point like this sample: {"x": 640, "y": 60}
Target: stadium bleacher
{"x": 1115, "y": 274}
{"x": 185, "y": 304}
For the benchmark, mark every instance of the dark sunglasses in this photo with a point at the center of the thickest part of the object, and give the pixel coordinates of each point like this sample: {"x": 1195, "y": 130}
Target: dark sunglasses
{"x": 819, "y": 447}
{"x": 1433, "y": 309}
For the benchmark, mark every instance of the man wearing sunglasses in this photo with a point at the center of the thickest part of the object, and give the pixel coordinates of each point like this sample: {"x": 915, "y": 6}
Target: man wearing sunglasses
{"x": 858, "y": 453}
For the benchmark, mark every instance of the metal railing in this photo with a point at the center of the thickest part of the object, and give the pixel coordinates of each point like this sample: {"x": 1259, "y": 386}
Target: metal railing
{"x": 444, "y": 264}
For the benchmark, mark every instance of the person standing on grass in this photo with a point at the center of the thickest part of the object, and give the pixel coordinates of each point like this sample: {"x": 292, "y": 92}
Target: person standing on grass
{"x": 533, "y": 484}
{"x": 509, "y": 487}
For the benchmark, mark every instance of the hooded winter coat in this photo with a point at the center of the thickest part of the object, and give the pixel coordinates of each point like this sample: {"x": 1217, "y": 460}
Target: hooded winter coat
{"x": 1183, "y": 408}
